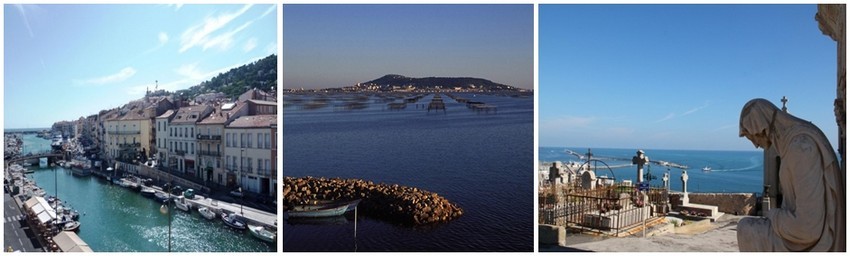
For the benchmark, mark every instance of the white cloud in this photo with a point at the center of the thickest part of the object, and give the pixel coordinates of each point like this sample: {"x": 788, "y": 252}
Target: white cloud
{"x": 269, "y": 10}
{"x": 250, "y": 45}
{"x": 674, "y": 115}
{"x": 176, "y": 6}
{"x": 668, "y": 117}
{"x": 26, "y": 20}
{"x": 200, "y": 35}
{"x": 567, "y": 122}
{"x": 122, "y": 75}
{"x": 224, "y": 41}
{"x": 271, "y": 48}
{"x": 190, "y": 71}
{"x": 163, "y": 38}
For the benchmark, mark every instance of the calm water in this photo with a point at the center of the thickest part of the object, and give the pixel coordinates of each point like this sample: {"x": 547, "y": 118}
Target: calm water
{"x": 732, "y": 171}
{"x": 478, "y": 161}
{"x": 117, "y": 219}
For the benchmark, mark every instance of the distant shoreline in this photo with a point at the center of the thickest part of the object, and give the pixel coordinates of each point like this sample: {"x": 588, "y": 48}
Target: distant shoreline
{"x": 654, "y": 149}
{"x": 12, "y": 130}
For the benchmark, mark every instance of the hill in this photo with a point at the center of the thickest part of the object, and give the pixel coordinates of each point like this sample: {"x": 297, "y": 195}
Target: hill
{"x": 466, "y": 83}
{"x": 261, "y": 74}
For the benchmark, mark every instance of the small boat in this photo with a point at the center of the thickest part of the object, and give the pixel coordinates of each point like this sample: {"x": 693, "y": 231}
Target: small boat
{"x": 706, "y": 169}
{"x": 206, "y": 212}
{"x": 148, "y": 192}
{"x": 232, "y": 221}
{"x": 161, "y": 197}
{"x": 262, "y": 233}
{"x": 322, "y": 210}
{"x": 181, "y": 203}
{"x": 71, "y": 226}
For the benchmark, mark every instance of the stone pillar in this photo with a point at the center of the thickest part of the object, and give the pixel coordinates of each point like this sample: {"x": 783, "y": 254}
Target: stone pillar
{"x": 685, "y": 200}
{"x": 771, "y": 175}
{"x": 831, "y": 21}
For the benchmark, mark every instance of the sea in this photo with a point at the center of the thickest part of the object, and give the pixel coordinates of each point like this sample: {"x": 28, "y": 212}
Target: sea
{"x": 482, "y": 162}
{"x": 116, "y": 219}
{"x": 731, "y": 171}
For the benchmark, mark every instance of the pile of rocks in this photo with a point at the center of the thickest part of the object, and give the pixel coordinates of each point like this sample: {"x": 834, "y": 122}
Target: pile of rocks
{"x": 395, "y": 203}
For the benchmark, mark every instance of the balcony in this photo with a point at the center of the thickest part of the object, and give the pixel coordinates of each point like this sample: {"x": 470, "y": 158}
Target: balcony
{"x": 231, "y": 168}
{"x": 209, "y": 153}
{"x": 124, "y": 132}
{"x": 180, "y": 152}
{"x": 209, "y": 137}
{"x": 264, "y": 172}
{"x": 129, "y": 145}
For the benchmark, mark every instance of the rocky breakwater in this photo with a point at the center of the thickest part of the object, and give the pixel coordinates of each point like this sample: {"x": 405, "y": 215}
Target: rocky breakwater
{"x": 407, "y": 205}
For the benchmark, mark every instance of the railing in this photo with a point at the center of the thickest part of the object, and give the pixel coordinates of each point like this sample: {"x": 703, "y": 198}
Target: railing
{"x": 231, "y": 168}
{"x": 124, "y": 132}
{"x": 264, "y": 171}
{"x": 129, "y": 145}
{"x": 180, "y": 152}
{"x": 209, "y": 153}
{"x": 209, "y": 137}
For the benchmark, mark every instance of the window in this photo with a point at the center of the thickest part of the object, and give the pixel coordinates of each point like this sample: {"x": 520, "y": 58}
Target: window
{"x": 268, "y": 144}
{"x": 227, "y": 139}
{"x": 192, "y": 132}
{"x": 185, "y": 132}
{"x": 249, "y": 165}
{"x": 192, "y": 148}
{"x": 249, "y": 139}
{"x": 259, "y": 140}
{"x": 259, "y": 163}
{"x": 268, "y": 166}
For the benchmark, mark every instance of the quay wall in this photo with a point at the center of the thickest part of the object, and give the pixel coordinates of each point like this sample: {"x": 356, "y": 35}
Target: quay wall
{"x": 406, "y": 205}
{"x": 740, "y": 203}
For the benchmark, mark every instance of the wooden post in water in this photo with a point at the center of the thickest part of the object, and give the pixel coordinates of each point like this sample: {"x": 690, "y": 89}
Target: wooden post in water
{"x": 355, "y": 224}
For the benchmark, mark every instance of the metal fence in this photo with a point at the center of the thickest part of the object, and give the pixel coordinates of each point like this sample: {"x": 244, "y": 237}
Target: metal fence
{"x": 606, "y": 209}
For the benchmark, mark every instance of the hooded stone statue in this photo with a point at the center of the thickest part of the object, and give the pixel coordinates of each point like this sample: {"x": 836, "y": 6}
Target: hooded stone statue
{"x": 812, "y": 213}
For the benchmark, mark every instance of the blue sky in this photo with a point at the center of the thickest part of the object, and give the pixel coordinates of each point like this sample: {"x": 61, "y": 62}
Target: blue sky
{"x": 66, "y": 61}
{"x": 677, "y": 76}
{"x": 340, "y": 45}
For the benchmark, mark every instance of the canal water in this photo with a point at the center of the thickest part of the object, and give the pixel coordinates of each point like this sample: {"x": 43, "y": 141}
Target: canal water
{"x": 482, "y": 162}
{"x": 116, "y": 219}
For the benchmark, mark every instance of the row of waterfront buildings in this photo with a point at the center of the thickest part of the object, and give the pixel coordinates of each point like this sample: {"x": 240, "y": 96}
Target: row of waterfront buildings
{"x": 211, "y": 138}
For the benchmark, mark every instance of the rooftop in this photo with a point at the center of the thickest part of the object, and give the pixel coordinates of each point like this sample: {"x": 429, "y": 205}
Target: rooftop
{"x": 258, "y": 121}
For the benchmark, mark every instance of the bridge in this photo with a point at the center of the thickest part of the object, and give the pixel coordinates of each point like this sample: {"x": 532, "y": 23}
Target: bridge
{"x": 34, "y": 156}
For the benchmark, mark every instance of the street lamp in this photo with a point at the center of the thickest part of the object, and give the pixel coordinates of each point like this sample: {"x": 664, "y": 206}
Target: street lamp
{"x": 241, "y": 195}
{"x": 164, "y": 210}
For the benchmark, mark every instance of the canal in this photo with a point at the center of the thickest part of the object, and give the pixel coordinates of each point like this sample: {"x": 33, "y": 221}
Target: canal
{"x": 117, "y": 219}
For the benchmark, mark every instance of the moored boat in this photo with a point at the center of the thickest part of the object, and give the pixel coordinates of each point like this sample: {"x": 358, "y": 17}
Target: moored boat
{"x": 262, "y": 233}
{"x": 71, "y": 226}
{"x": 206, "y": 212}
{"x": 148, "y": 192}
{"x": 181, "y": 203}
{"x": 322, "y": 210}
{"x": 231, "y": 220}
{"x": 161, "y": 197}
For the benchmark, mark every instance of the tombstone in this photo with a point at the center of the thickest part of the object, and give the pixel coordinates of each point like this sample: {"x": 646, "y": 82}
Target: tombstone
{"x": 588, "y": 180}
{"x": 685, "y": 200}
{"x": 554, "y": 174}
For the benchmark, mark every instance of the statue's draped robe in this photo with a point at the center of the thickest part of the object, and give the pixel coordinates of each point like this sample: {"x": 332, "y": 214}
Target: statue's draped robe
{"x": 811, "y": 217}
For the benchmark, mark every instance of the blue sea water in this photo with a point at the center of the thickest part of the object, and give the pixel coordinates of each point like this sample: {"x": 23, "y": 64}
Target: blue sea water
{"x": 482, "y": 162}
{"x": 732, "y": 171}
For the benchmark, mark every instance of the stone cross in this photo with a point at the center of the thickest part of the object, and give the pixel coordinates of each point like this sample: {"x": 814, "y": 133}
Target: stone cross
{"x": 784, "y": 101}
{"x": 640, "y": 160}
{"x": 666, "y": 180}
